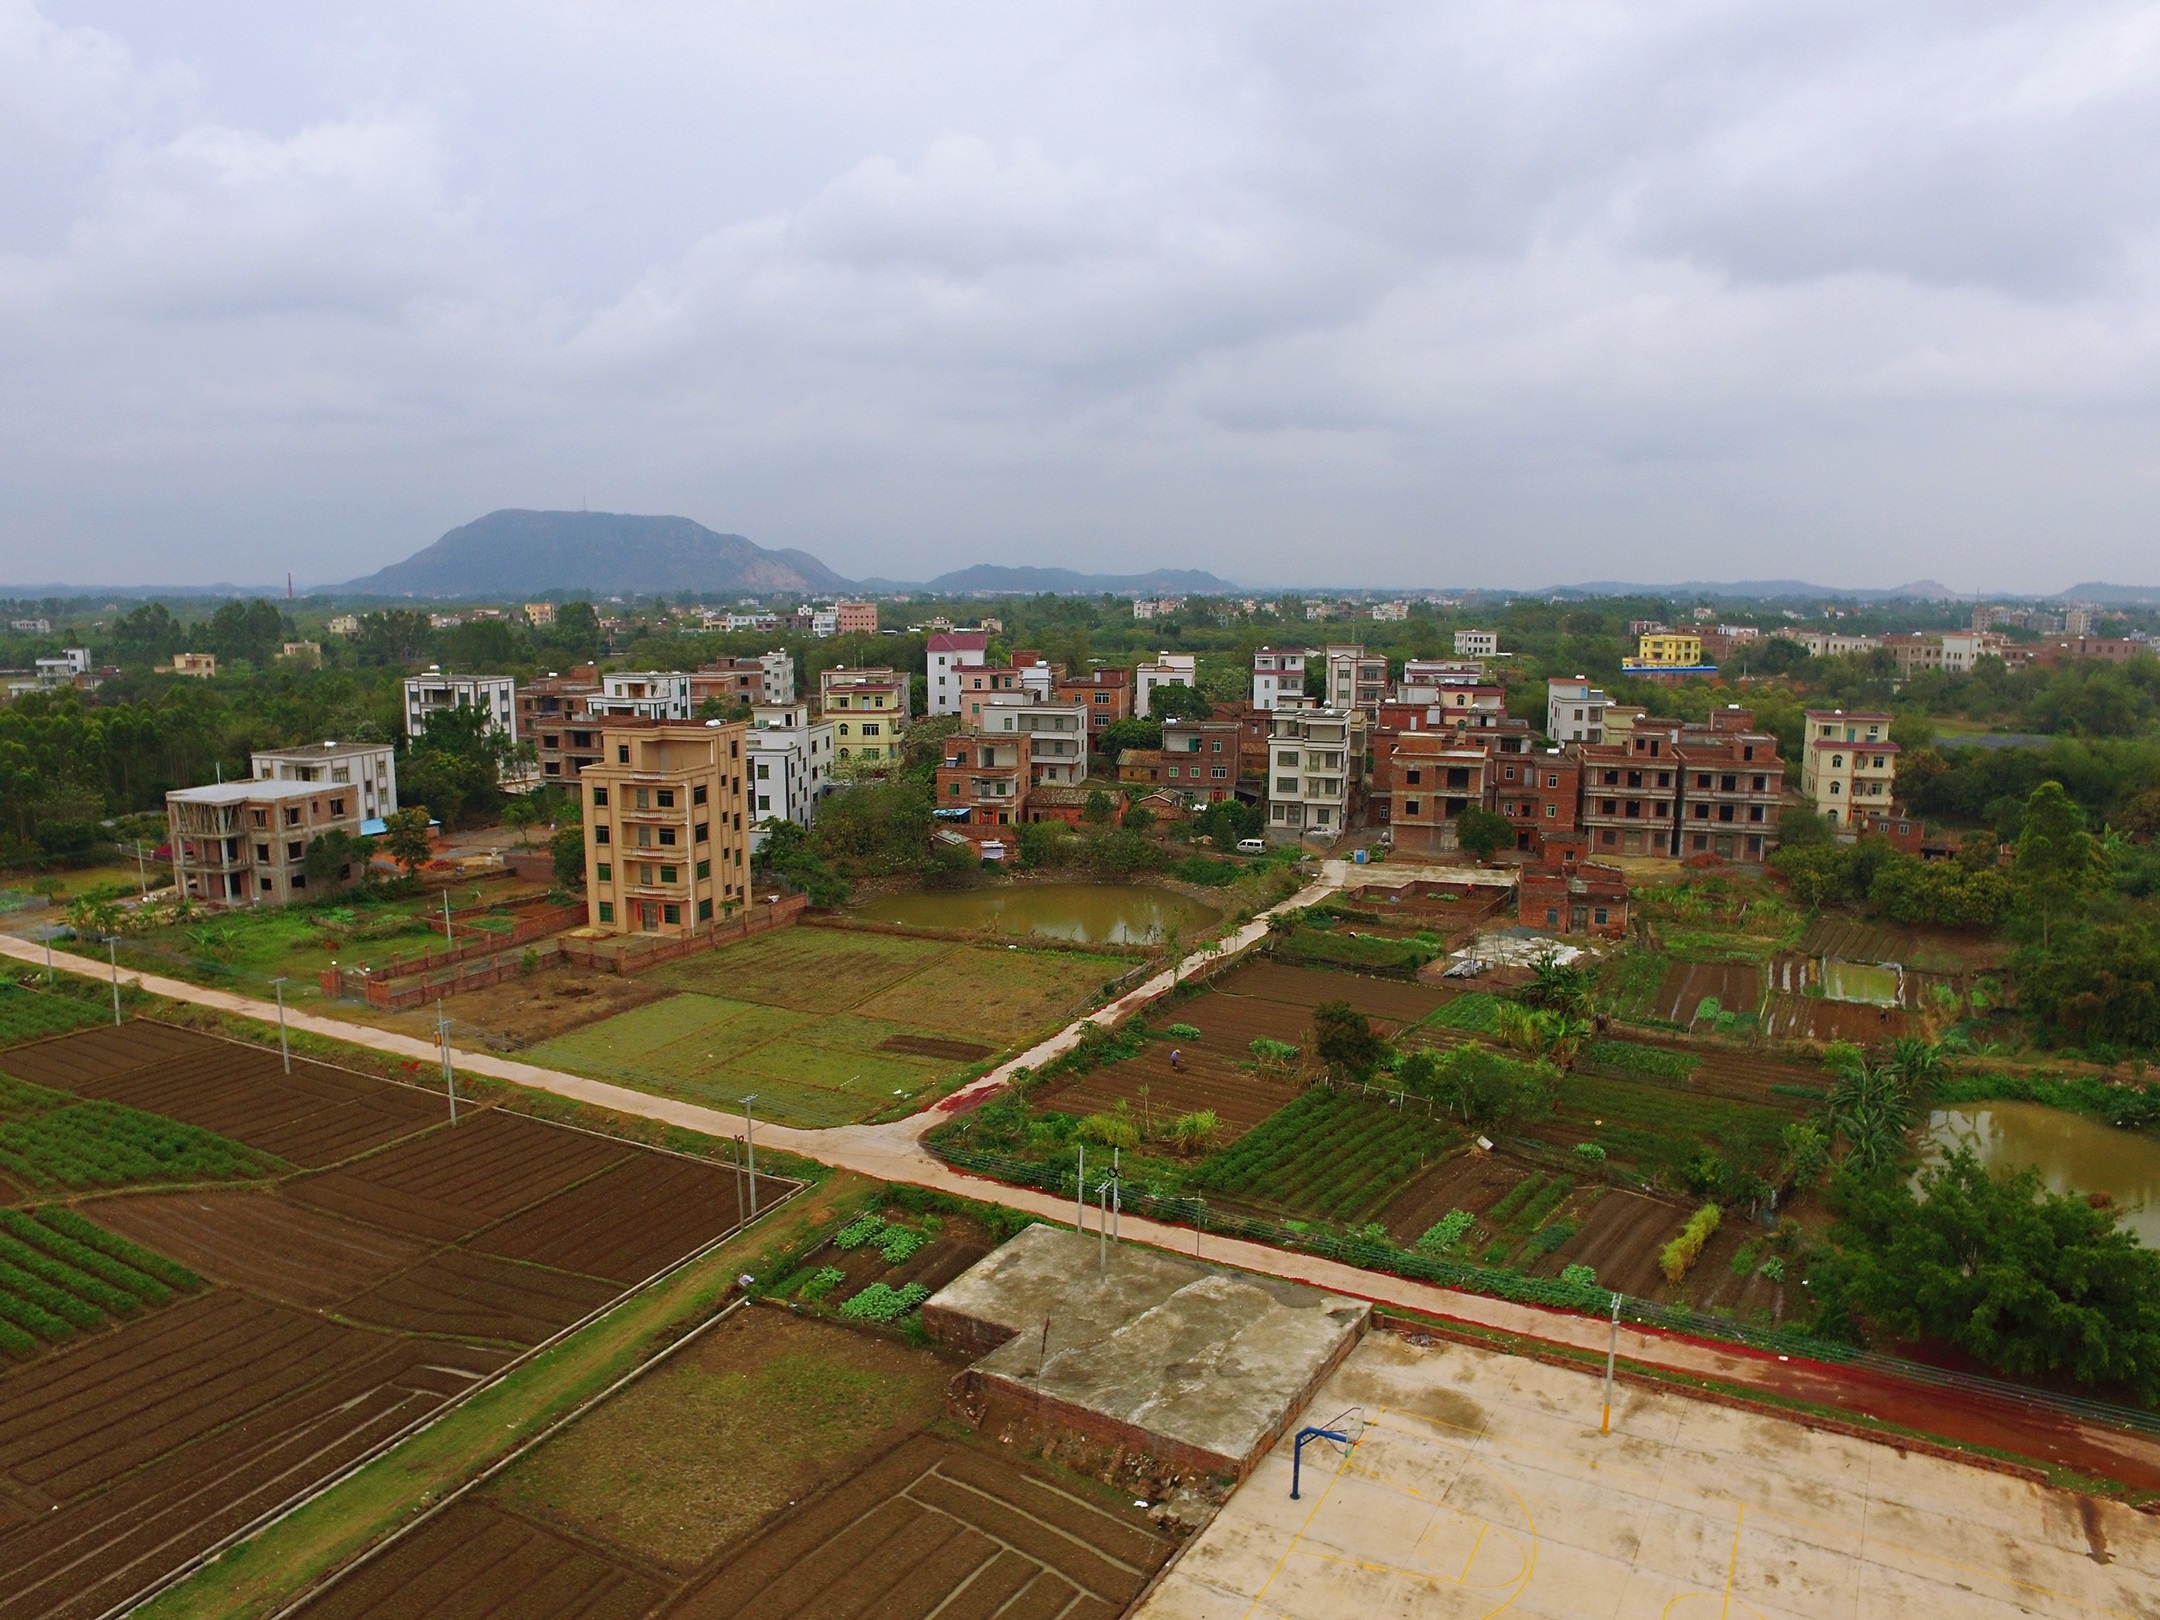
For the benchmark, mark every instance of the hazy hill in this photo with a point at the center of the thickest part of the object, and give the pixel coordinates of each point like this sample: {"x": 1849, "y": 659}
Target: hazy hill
{"x": 515, "y": 553}
{"x": 995, "y": 579}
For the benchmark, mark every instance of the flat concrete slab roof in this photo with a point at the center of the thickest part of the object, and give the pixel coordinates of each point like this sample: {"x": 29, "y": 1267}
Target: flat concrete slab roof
{"x": 1213, "y": 1362}
{"x": 1482, "y": 1485}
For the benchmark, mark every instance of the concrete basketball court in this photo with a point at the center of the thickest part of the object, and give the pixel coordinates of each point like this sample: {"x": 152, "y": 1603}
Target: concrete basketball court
{"x": 1482, "y": 1486}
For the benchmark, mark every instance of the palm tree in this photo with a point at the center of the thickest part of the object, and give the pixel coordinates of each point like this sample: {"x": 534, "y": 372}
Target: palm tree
{"x": 1561, "y": 987}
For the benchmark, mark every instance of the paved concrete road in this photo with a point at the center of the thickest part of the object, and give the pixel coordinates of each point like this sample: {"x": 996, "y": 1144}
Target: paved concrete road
{"x": 1481, "y": 1484}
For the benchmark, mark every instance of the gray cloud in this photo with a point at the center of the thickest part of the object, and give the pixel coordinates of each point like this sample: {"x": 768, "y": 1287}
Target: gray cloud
{"x": 1377, "y": 292}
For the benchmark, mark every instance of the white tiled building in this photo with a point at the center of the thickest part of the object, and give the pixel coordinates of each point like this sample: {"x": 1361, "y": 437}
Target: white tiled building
{"x": 1575, "y": 711}
{"x": 648, "y": 694}
{"x": 371, "y": 768}
{"x": 1314, "y": 756}
{"x": 1277, "y": 673}
{"x": 790, "y": 765}
{"x": 1058, "y": 734}
{"x": 496, "y": 695}
{"x": 950, "y": 652}
{"x": 1167, "y": 669}
{"x": 1477, "y": 643}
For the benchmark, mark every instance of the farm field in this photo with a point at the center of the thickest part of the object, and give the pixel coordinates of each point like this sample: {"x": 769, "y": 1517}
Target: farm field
{"x": 1662, "y": 1127}
{"x": 829, "y": 1025}
{"x": 1239, "y": 1097}
{"x": 1327, "y": 1154}
{"x": 1927, "y": 950}
{"x": 409, "y": 1262}
{"x": 1737, "y": 987}
{"x": 852, "y": 1509}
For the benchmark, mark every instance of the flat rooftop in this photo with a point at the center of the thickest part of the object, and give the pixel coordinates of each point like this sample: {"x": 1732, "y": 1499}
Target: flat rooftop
{"x": 241, "y": 792}
{"x": 1196, "y": 1361}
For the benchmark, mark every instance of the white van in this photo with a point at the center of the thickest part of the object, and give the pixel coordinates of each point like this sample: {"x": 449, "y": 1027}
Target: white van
{"x": 1252, "y": 846}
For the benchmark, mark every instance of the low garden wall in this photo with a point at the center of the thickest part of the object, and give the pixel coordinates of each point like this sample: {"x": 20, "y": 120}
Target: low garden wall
{"x": 634, "y": 953}
{"x": 416, "y": 986}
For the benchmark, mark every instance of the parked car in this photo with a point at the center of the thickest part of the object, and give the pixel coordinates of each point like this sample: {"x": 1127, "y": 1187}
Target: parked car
{"x": 1252, "y": 846}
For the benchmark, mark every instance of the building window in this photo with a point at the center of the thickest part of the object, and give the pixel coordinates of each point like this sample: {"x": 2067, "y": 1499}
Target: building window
{"x": 1410, "y": 806}
{"x": 671, "y": 912}
{"x": 704, "y": 869}
{"x": 1412, "y": 778}
{"x": 600, "y": 834}
{"x": 607, "y": 911}
{"x": 599, "y": 795}
{"x": 603, "y": 872}
{"x": 262, "y": 853}
{"x": 337, "y": 807}
{"x": 703, "y": 831}
{"x": 622, "y": 753}
{"x": 704, "y": 910}
{"x": 667, "y": 874}
{"x": 764, "y": 801}
{"x": 1552, "y": 810}
{"x": 1219, "y": 772}
{"x": 294, "y": 851}
{"x": 1600, "y": 915}
{"x": 667, "y": 835}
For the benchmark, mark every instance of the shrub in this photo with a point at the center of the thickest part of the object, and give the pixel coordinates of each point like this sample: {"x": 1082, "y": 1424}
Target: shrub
{"x": 899, "y": 1243}
{"x": 1683, "y": 1251}
{"x": 1269, "y": 1051}
{"x": 1548, "y": 1238}
{"x": 883, "y": 1303}
{"x": 1589, "y": 1153}
{"x": 1111, "y": 1130}
{"x": 1446, "y": 1232}
{"x": 1579, "y": 1276}
{"x": 1774, "y": 1268}
{"x": 826, "y": 1280}
{"x": 864, "y": 1229}
{"x": 1183, "y": 1032}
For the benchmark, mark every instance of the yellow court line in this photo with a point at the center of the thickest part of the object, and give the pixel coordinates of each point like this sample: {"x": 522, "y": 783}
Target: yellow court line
{"x": 1260, "y": 1596}
{"x": 1732, "y": 1569}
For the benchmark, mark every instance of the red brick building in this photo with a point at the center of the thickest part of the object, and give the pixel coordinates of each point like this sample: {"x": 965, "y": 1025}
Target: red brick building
{"x": 1107, "y": 694}
{"x": 982, "y": 782}
{"x": 1567, "y": 894}
{"x": 1540, "y": 792}
{"x": 1200, "y": 758}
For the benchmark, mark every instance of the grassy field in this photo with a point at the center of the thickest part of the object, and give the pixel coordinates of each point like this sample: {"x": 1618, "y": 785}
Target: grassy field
{"x": 814, "y": 1021}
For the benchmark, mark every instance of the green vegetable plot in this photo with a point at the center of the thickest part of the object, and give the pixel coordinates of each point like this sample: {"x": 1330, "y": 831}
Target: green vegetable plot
{"x": 1327, "y": 1154}
{"x": 60, "y": 1275}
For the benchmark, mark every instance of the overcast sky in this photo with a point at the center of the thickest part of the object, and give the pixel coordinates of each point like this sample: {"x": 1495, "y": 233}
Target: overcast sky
{"x": 1350, "y": 293}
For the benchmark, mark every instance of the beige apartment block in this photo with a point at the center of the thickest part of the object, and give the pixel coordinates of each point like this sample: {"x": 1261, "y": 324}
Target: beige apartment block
{"x": 666, "y": 849}
{"x": 1848, "y": 766}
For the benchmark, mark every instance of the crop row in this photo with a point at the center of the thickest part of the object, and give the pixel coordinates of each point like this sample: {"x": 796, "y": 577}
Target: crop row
{"x": 1651, "y": 1123}
{"x": 1332, "y": 1155}
{"x": 21, "y": 1100}
{"x": 26, "y": 1015}
{"x": 103, "y": 1144}
{"x": 1476, "y": 1012}
{"x": 1647, "y": 1062}
{"x": 59, "y": 1275}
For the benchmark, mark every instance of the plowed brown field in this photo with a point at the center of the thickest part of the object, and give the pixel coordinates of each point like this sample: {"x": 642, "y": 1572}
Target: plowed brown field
{"x": 1239, "y": 1097}
{"x": 124, "y": 1455}
{"x": 1621, "y": 1241}
{"x": 1735, "y": 986}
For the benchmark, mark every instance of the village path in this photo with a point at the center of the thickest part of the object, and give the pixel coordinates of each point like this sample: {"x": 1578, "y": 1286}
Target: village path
{"x": 894, "y": 1152}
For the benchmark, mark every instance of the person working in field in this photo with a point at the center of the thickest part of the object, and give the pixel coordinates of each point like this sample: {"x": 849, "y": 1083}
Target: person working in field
{"x": 1177, "y": 1058}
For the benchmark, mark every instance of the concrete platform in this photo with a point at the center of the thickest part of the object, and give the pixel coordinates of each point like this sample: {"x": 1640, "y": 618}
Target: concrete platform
{"x": 1482, "y": 1485}
{"x": 1199, "y": 1367}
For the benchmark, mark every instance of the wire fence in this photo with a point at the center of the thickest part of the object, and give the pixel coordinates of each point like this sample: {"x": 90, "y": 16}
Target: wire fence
{"x": 1369, "y": 1255}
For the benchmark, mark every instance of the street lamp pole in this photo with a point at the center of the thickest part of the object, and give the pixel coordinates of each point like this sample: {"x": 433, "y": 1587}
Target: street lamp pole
{"x": 1612, "y": 1349}
{"x": 449, "y": 1075}
{"x": 112, "y": 952}
{"x": 750, "y": 1140}
{"x": 284, "y": 1049}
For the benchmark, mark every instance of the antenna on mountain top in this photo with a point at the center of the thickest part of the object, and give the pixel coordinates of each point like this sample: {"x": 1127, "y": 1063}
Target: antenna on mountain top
{"x": 288, "y": 585}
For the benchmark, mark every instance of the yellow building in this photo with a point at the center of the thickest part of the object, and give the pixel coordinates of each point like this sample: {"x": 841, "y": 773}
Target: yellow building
{"x": 1667, "y": 649}
{"x": 869, "y": 711}
{"x": 1849, "y": 763}
{"x": 665, "y": 847}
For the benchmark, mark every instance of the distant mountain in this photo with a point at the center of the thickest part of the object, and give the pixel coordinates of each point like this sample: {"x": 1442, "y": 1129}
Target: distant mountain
{"x": 515, "y": 553}
{"x": 994, "y": 579}
{"x": 2104, "y": 595}
{"x": 1920, "y": 590}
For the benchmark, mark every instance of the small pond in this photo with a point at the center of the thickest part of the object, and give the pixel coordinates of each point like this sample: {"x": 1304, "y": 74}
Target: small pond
{"x": 2073, "y": 1153}
{"x": 1084, "y": 913}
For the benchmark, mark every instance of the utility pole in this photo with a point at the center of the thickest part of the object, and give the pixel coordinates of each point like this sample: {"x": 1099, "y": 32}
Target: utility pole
{"x": 142, "y": 874}
{"x": 750, "y": 1140}
{"x": 112, "y": 951}
{"x": 447, "y": 940}
{"x": 449, "y": 1075}
{"x": 1079, "y": 1185}
{"x": 1612, "y": 1348}
{"x": 284, "y": 1050}
{"x": 48, "y": 962}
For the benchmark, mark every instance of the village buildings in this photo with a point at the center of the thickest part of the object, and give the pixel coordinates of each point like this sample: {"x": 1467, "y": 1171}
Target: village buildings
{"x": 665, "y": 833}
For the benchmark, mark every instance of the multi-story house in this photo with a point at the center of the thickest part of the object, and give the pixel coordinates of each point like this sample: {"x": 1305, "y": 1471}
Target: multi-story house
{"x": 1731, "y": 790}
{"x": 1355, "y": 679}
{"x": 648, "y": 694}
{"x": 1477, "y": 643}
{"x": 551, "y": 716}
{"x": 369, "y": 769}
{"x": 819, "y": 619}
{"x": 1390, "y": 612}
{"x": 493, "y": 695}
{"x": 767, "y": 678}
{"x": 982, "y": 781}
{"x": 855, "y": 617}
{"x": 1848, "y": 765}
{"x": 196, "y": 666}
{"x": 1574, "y": 711}
{"x": 1667, "y": 652}
{"x": 246, "y": 843}
{"x": 1432, "y": 777}
{"x": 538, "y": 614}
{"x": 1057, "y": 735}
{"x": 1200, "y": 759}
{"x": 1540, "y": 791}
{"x": 665, "y": 840}
{"x": 789, "y": 766}
{"x": 1105, "y": 693}
{"x": 869, "y": 711}
{"x": 987, "y": 684}
{"x": 1566, "y": 894}
{"x": 950, "y": 652}
{"x": 1947, "y": 652}
{"x": 1828, "y": 643}
{"x": 1166, "y": 669}
{"x": 1630, "y": 794}
{"x": 1037, "y": 674}
{"x": 1315, "y": 756}
{"x": 1278, "y": 673}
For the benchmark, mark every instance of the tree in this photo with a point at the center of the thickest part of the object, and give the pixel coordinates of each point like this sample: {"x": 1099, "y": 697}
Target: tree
{"x": 1177, "y": 701}
{"x": 405, "y": 835}
{"x": 1868, "y": 1109}
{"x": 875, "y": 829}
{"x": 1226, "y": 821}
{"x": 1564, "y": 987}
{"x": 1343, "y": 1037}
{"x": 567, "y": 847}
{"x": 790, "y": 851}
{"x": 520, "y": 815}
{"x": 1484, "y": 1090}
{"x": 2030, "y": 1282}
{"x": 1120, "y": 735}
{"x": 1802, "y": 828}
{"x": 1099, "y": 809}
{"x": 1482, "y": 833}
{"x": 332, "y": 858}
{"x": 2097, "y": 985}
{"x": 2058, "y": 859}
{"x": 1139, "y": 818}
